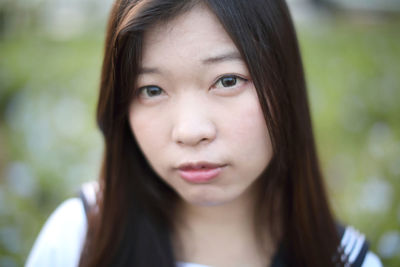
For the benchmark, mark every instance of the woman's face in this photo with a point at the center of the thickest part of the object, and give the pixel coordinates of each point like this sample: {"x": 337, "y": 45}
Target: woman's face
{"x": 196, "y": 115}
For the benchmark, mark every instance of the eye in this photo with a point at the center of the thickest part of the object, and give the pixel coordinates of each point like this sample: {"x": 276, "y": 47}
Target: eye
{"x": 150, "y": 91}
{"x": 229, "y": 81}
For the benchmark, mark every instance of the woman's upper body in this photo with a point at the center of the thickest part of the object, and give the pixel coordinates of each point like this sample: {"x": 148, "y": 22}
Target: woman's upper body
{"x": 60, "y": 242}
{"x": 203, "y": 107}
{"x": 207, "y": 139}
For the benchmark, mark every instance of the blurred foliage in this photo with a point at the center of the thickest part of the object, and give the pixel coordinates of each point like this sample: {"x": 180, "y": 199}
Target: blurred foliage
{"x": 352, "y": 68}
{"x": 49, "y": 144}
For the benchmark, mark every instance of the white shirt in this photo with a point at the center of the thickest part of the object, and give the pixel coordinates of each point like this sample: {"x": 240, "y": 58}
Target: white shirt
{"x": 60, "y": 241}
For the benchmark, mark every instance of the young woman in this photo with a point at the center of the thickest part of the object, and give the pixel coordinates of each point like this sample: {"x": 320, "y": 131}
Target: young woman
{"x": 209, "y": 152}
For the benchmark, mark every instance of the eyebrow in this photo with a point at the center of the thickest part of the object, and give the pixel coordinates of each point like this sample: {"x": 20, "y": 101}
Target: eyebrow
{"x": 144, "y": 70}
{"x": 234, "y": 55}
{"x": 230, "y": 56}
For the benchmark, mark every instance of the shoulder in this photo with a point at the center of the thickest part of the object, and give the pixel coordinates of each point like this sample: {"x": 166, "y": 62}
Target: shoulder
{"x": 354, "y": 249}
{"x": 60, "y": 241}
{"x": 371, "y": 260}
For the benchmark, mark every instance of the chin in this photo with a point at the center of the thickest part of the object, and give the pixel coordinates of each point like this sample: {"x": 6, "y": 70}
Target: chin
{"x": 207, "y": 198}
{"x": 205, "y": 203}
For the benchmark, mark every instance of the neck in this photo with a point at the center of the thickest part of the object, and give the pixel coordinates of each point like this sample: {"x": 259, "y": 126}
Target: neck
{"x": 230, "y": 226}
{"x": 239, "y": 214}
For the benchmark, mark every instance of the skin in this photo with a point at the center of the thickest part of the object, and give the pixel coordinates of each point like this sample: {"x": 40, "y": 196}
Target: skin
{"x": 185, "y": 113}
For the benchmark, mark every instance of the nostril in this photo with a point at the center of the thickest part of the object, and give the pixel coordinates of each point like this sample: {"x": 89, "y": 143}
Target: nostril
{"x": 193, "y": 132}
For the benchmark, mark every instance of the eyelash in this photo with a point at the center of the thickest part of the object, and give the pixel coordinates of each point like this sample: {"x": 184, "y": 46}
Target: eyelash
{"x": 236, "y": 78}
{"x": 141, "y": 90}
{"x": 230, "y": 76}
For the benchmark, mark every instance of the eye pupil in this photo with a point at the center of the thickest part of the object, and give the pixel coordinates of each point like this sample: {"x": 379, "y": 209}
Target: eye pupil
{"x": 153, "y": 91}
{"x": 228, "y": 81}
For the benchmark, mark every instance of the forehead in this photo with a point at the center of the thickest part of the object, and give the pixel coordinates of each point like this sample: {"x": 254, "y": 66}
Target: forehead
{"x": 194, "y": 34}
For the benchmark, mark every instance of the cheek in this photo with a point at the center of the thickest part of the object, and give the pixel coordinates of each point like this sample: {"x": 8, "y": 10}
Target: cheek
{"x": 147, "y": 130}
{"x": 247, "y": 129}
{"x": 248, "y": 138}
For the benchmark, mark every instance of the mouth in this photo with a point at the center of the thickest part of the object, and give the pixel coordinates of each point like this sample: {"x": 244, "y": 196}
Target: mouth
{"x": 200, "y": 165}
{"x": 200, "y": 172}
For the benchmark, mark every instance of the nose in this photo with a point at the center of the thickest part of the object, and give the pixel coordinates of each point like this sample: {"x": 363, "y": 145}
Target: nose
{"x": 193, "y": 125}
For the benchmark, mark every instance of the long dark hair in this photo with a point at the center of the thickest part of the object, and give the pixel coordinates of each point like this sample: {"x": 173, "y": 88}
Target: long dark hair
{"x": 135, "y": 218}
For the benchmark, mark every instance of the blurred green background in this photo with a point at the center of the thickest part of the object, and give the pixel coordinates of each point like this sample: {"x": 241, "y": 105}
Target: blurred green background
{"x": 50, "y": 59}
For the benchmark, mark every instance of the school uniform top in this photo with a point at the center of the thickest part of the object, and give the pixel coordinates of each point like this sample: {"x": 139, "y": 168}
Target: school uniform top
{"x": 61, "y": 240}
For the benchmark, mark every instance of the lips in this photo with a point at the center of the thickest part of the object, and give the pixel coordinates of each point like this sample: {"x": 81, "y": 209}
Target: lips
{"x": 200, "y": 172}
